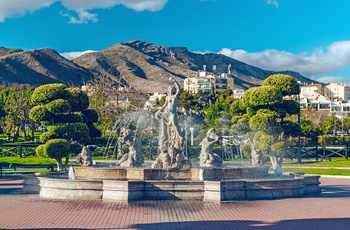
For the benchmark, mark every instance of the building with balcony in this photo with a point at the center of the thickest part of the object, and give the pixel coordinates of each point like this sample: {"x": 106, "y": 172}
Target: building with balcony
{"x": 208, "y": 82}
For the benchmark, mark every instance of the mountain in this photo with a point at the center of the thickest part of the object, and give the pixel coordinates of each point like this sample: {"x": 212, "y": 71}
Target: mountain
{"x": 144, "y": 66}
{"x": 147, "y": 67}
{"x": 37, "y": 67}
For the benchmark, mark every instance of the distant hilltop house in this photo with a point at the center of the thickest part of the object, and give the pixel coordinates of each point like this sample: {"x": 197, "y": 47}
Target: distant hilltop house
{"x": 207, "y": 82}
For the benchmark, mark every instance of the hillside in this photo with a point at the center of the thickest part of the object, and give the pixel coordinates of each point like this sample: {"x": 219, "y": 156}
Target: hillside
{"x": 37, "y": 67}
{"x": 145, "y": 66}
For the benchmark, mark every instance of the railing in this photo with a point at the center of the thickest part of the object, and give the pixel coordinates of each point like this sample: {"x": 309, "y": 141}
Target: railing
{"x": 316, "y": 152}
{"x": 20, "y": 150}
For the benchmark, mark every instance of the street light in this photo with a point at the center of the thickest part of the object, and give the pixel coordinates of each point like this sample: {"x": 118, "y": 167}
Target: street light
{"x": 299, "y": 145}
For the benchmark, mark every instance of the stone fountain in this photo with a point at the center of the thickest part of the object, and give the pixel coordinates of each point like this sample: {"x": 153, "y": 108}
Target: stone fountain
{"x": 171, "y": 176}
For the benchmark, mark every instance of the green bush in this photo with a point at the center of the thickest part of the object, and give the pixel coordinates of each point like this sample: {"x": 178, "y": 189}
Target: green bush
{"x": 74, "y": 131}
{"x": 40, "y": 151}
{"x": 78, "y": 132}
{"x": 46, "y": 93}
{"x": 90, "y": 115}
{"x": 93, "y": 131}
{"x": 45, "y": 137}
{"x": 58, "y": 106}
{"x": 56, "y": 148}
{"x": 40, "y": 113}
{"x": 77, "y": 99}
{"x": 68, "y": 118}
{"x": 333, "y": 140}
{"x": 75, "y": 147}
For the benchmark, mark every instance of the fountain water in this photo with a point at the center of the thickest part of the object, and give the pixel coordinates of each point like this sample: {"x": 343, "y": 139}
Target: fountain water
{"x": 171, "y": 175}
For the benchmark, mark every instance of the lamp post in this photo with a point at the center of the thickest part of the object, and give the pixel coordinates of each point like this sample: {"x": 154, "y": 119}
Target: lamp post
{"x": 299, "y": 145}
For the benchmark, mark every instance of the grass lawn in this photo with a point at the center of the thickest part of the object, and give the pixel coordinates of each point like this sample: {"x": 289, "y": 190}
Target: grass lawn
{"x": 337, "y": 165}
{"x": 332, "y": 162}
{"x": 320, "y": 171}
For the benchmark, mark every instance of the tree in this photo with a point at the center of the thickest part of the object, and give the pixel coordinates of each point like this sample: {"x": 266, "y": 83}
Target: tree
{"x": 71, "y": 122}
{"x": 16, "y": 106}
{"x": 265, "y": 113}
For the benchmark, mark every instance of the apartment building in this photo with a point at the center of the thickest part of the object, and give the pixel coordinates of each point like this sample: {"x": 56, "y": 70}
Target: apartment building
{"x": 208, "y": 82}
{"x": 339, "y": 92}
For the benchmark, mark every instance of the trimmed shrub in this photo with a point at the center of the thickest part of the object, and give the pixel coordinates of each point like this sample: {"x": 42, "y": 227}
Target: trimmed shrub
{"x": 68, "y": 118}
{"x": 78, "y": 132}
{"x": 58, "y": 106}
{"x": 76, "y": 148}
{"x": 40, "y": 113}
{"x": 57, "y": 148}
{"x": 46, "y": 93}
{"x": 40, "y": 151}
{"x": 46, "y": 136}
{"x": 90, "y": 115}
{"x": 78, "y": 100}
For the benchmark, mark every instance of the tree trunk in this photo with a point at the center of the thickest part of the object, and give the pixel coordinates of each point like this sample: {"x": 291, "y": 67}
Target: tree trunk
{"x": 67, "y": 161}
{"x": 23, "y": 128}
{"x": 32, "y": 126}
{"x": 59, "y": 164}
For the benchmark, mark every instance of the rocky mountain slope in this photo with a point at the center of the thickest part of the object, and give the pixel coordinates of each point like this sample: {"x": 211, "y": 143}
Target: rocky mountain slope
{"x": 37, "y": 67}
{"x": 143, "y": 66}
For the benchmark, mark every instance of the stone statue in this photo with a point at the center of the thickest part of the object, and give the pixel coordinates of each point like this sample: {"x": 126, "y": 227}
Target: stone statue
{"x": 84, "y": 158}
{"x": 170, "y": 139}
{"x": 206, "y": 158}
{"x": 133, "y": 158}
{"x": 256, "y": 156}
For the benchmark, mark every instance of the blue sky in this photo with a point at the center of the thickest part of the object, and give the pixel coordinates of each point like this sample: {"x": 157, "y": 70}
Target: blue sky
{"x": 308, "y": 36}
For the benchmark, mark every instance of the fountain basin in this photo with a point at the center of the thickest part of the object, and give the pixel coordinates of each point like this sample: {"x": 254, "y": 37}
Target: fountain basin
{"x": 123, "y": 190}
{"x": 193, "y": 174}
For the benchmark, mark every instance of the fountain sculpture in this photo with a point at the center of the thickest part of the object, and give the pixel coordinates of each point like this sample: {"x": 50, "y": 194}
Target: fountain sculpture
{"x": 170, "y": 138}
{"x": 171, "y": 175}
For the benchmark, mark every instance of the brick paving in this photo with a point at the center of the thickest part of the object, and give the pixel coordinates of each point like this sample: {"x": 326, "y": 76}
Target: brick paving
{"x": 328, "y": 210}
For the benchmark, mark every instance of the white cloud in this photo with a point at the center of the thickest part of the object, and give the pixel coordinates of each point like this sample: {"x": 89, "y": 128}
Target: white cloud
{"x": 84, "y": 17}
{"x": 320, "y": 61}
{"x": 16, "y": 8}
{"x": 72, "y": 55}
{"x": 11, "y": 8}
{"x": 272, "y": 2}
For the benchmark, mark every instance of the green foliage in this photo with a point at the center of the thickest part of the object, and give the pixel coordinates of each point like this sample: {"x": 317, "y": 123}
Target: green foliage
{"x": 75, "y": 132}
{"x": 291, "y": 129}
{"x": 58, "y": 106}
{"x": 263, "y": 141}
{"x": 247, "y": 151}
{"x": 91, "y": 115}
{"x": 286, "y": 84}
{"x": 291, "y": 106}
{"x": 330, "y": 125}
{"x": 265, "y": 96}
{"x": 46, "y": 93}
{"x": 263, "y": 120}
{"x": 46, "y": 136}
{"x": 333, "y": 140}
{"x": 56, "y": 148}
{"x": 40, "y": 113}
{"x": 40, "y": 151}
{"x": 278, "y": 146}
{"x": 75, "y": 147}
{"x": 78, "y": 100}
{"x": 68, "y": 118}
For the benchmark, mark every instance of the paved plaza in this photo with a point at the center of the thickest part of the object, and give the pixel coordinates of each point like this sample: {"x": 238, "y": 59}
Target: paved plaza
{"x": 328, "y": 210}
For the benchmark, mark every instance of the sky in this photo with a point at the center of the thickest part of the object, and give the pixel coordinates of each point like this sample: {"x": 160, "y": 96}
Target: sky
{"x": 308, "y": 36}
